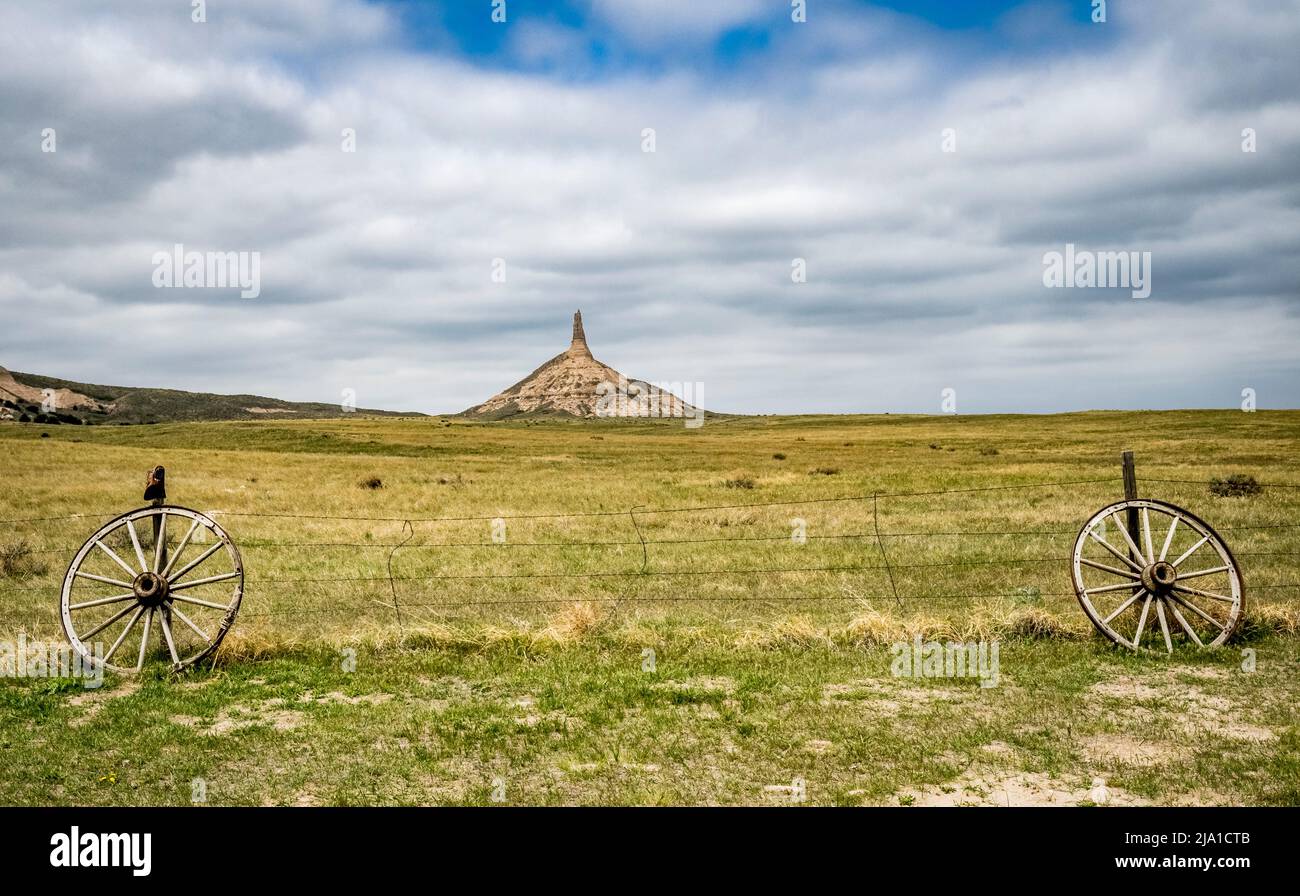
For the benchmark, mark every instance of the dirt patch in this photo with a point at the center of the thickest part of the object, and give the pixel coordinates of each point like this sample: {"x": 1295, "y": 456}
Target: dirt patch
{"x": 237, "y": 718}
{"x": 700, "y": 685}
{"x": 794, "y": 792}
{"x": 1206, "y": 674}
{"x": 336, "y": 697}
{"x": 1125, "y": 687}
{"x": 1128, "y": 750}
{"x": 1181, "y": 708}
{"x": 974, "y": 788}
{"x": 1252, "y": 733}
{"x": 450, "y": 689}
{"x": 884, "y": 699}
{"x": 92, "y": 700}
{"x": 556, "y": 719}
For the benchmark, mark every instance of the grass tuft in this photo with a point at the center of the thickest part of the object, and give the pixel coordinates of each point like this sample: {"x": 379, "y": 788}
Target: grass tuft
{"x": 571, "y": 624}
{"x": 19, "y": 561}
{"x": 1238, "y": 485}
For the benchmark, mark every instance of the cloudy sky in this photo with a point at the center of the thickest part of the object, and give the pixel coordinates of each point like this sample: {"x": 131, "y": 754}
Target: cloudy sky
{"x": 774, "y": 140}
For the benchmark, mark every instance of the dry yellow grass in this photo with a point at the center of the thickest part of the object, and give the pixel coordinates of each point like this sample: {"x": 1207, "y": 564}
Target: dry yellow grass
{"x": 725, "y": 574}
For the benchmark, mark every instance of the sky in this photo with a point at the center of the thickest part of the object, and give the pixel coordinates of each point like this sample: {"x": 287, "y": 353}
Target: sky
{"x": 917, "y": 161}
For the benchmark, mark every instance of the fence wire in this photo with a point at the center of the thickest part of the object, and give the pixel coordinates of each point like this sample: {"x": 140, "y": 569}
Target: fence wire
{"x": 897, "y": 554}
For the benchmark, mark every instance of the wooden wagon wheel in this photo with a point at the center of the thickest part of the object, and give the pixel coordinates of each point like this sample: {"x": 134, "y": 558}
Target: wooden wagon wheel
{"x": 135, "y": 568}
{"x": 1177, "y": 566}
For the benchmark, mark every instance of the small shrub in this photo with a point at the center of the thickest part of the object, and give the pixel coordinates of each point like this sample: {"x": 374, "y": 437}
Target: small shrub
{"x": 934, "y": 447}
{"x": 45, "y": 435}
{"x": 778, "y": 456}
{"x": 739, "y": 482}
{"x": 1238, "y": 485}
{"x": 989, "y": 452}
{"x": 18, "y": 561}
{"x": 1028, "y": 595}
{"x": 824, "y": 471}
{"x": 371, "y": 482}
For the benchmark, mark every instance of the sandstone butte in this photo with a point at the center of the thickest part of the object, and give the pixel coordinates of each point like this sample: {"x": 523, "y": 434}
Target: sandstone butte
{"x": 575, "y": 384}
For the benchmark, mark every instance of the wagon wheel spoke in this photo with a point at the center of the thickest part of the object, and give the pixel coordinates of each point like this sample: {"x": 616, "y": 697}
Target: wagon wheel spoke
{"x": 167, "y": 636}
{"x": 160, "y": 542}
{"x": 1110, "y": 547}
{"x": 176, "y": 611}
{"x": 135, "y": 542}
{"x": 109, "y": 621}
{"x": 180, "y": 548}
{"x": 1110, "y": 569}
{"x": 208, "y": 581}
{"x": 122, "y": 637}
{"x": 116, "y": 559}
{"x": 1121, "y": 525}
{"x": 1197, "y": 610}
{"x": 1105, "y": 589}
{"x": 1202, "y": 572}
{"x": 193, "y": 563}
{"x": 201, "y": 603}
{"x": 144, "y": 639}
{"x": 1169, "y": 537}
{"x": 1164, "y": 626}
{"x": 107, "y": 581}
{"x": 1142, "y": 621}
{"x": 1192, "y": 550}
{"x": 1146, "y": 535}
{"x": 1124, "y": 606}
{"x": 1199, "y": 593}
{"x": 1191, "y": 632}
{"x": 118, "y": 598}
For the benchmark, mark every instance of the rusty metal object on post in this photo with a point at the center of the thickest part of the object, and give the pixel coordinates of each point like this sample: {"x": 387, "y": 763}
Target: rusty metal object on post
{"x": 155, "y": 485}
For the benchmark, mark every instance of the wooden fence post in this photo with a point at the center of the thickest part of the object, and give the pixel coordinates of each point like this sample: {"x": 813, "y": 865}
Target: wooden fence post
{"x": 1130, "y": 494}
{"x": 155, "y": 492}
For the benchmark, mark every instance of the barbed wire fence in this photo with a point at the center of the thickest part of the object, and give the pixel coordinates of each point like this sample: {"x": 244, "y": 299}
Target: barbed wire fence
{"x": 413, "y": 572}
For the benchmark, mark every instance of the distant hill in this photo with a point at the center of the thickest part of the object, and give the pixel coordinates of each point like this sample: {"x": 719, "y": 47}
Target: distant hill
{"x": 22, "y": 395}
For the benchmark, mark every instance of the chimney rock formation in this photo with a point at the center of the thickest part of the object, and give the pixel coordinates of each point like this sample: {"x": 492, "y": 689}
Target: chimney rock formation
{"x": 575, "y": 384}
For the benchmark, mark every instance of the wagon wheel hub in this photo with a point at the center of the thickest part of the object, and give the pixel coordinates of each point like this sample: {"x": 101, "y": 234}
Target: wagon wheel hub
{"x": 150, "y": 589}
{"x": 1159, "y": 577}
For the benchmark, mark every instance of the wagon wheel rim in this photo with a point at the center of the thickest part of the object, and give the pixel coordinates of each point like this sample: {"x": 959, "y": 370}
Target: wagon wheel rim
{"x": 1176, "y": 583}
{"x": 129, "y": 596}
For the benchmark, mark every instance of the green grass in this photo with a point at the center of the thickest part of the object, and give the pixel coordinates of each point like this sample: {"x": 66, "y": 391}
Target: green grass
{"x": 537, "y": 683}
{"x": 585, "y": 724}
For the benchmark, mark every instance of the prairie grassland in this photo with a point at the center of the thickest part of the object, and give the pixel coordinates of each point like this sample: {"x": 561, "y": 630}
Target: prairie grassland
{"x": 522, "y": 660}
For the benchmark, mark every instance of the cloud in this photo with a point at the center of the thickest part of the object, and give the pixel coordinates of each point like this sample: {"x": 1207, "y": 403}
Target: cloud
{"x": 924, "y": 267}
{"x": 658, "y": 21}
